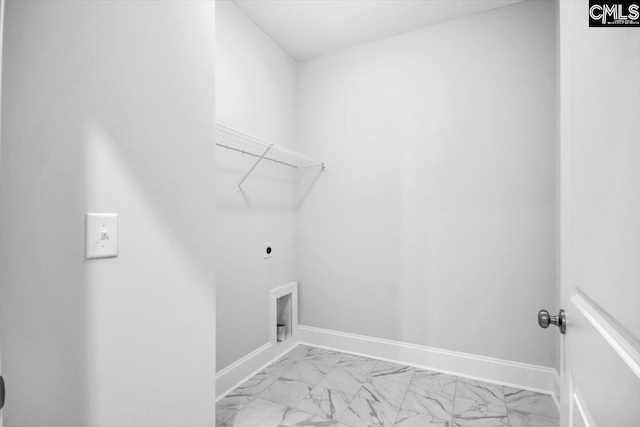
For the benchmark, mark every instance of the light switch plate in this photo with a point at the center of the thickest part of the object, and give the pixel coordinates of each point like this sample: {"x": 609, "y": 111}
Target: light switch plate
{"x": 102, "y": 235}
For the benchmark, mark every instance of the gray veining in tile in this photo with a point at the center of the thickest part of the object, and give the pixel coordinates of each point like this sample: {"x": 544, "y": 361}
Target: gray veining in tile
{"x": 437, "y": 406}
{"x": 286, "y": 392}
{"x": 393, "y": 372}
{"x": 480, "y": 391}
{"x": 358, "y": 367}
{"x": 343, "y": 380}
{"x": 471, "y": 413}
{"x": 384, "y": 391}
{"x": 254, "y": 386}
{"x": 530, "y": 402}
{"x": 369, "y": 413}
{"x": 300, "y": 352}
{"x": 229, "y": 406}
{"x": 281, "y": 366}
{"x": 326, "y": 403}
{"x": 259, "y": 412}
{"x": 434, "y": 382}
{"x": 295, "y": 417}
{"x": 526, "y": 419}
{"x": 317, "y": 387}
{"x": 310, "y": 372}
{"x": 481, "y": 422}
{"x": 416, "y": 419}
{"x": 323, "y": 357}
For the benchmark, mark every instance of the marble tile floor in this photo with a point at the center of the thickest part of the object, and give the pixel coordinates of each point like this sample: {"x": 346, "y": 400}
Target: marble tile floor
{"x": 310, "y": 386}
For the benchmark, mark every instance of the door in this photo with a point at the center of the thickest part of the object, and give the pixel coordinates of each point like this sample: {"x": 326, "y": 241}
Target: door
{"x": 599, "y": 220}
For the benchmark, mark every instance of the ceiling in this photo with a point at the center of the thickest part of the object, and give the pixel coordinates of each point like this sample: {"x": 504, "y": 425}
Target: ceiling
{"x": 308, "y": 28}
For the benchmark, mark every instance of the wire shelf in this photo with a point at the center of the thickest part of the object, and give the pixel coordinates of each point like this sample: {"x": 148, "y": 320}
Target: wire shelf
{"x": 234, "y": 140}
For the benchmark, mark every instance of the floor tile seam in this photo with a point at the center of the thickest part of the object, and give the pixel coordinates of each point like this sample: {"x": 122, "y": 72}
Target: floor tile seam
{"x": 399, "y": 409}
{"x": 308, "y": 413}
{"x": 314, "y": 386}
{"x": 390, "y": 380}
{"x": 251, "y": 399}
{"x": 515, "y": 407}
{"x": 306, "y": 394}
{"x": 453, "y": 408}
{"x": 535, "y": 413}
{"x": 506, "y": 408}
{"x": 437, "y": 393}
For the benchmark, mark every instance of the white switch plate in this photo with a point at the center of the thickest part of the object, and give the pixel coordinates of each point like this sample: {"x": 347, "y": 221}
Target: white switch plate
{"x": 102, "y": 235}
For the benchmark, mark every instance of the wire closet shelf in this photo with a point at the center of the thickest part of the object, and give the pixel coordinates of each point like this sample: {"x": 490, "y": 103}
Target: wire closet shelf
{"x": 234, "y": 140}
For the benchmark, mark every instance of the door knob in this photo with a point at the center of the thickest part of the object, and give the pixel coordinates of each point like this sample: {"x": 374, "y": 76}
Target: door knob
{"x": 544, "y": 320}
{"x": 1, "y": 392}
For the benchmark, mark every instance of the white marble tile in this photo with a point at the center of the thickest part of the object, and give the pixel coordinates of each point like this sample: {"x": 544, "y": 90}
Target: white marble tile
{"x": 299, "y": 352}
{"x": 368, "y": 413}
{"x": 530, "y": 402}
{"x": 481, "y": 422}
{"x": 286, "y": 392}
{"x": 320, "y": 350}
{"x": 280, "y": 366}
{"x": 326, "y": 402}
{"x": 256, "y": 385}
{"x": 384, "y": 391}
{"x": 343, "y": 380}
{"x": 259, "y": 412}
{"x": 435, "y": 405}
{"x": 415, "y": 419}
{"x": 526, "y": 419}
{"x": 354, "y": 360}
{"x": 481, "y": 392}
{"x": 310, "y": 372}
{"x": 296, "y": 417}
{"x": 229, "y": 406}
{"x": 324, "y": 357}
{"x": 359, "y": 367}
{"x": 392, "y": 372}
{"x": 471, "y": 413}
{"x": 433, "y": 382}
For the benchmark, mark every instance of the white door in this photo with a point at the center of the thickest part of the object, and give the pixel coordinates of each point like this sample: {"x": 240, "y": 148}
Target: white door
{"x": 600, "y": 220}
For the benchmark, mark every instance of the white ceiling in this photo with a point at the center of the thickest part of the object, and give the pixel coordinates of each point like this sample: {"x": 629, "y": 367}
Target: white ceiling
{"x": 308, "y": 28}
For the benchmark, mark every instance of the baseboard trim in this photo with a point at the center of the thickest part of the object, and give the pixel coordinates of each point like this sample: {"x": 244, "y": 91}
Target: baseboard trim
{"x": 505, "y": 372}
{"x": 229, "y": 378}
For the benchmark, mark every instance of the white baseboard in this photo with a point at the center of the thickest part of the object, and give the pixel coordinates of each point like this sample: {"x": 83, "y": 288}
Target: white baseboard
{"x": 513, "y": 374}
{"x": 241, "y": 370}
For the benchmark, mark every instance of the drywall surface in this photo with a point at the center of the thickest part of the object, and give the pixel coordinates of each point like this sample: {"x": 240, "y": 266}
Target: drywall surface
{"x": 435, "y": 223}
{"x": 255, "y": 94}
{"x": 108, "y": 107}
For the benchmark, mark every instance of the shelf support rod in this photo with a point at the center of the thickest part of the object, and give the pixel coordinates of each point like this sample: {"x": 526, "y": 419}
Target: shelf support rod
{"x": 238, "y": 189}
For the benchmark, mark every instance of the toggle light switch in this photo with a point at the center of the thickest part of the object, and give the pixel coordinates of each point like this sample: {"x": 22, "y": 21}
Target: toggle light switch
{"x": 102, "y": 235}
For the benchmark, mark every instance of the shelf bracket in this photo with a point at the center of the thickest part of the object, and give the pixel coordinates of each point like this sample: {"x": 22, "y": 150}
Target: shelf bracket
{"x": 238, "y": 189}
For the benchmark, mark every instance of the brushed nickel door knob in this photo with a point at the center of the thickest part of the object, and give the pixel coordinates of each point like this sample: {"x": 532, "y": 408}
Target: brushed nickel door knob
{"x": 544, "y": 320}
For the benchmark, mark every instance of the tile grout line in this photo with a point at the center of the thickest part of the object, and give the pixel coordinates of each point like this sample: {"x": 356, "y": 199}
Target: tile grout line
{"x": 453, "y": 407}
{"x": 405, "y": 396}
{"x": 506, "y": 408}
{"x": 295, "y": 361}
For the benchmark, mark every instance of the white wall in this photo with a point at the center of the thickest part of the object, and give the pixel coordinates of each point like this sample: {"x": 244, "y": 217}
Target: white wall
{"x": 255, "y": 94}
{"x": 108, "y": 107}
{"x": 435, "y": 223}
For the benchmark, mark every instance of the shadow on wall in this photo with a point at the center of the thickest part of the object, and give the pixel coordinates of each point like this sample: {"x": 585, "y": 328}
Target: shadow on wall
{"x": 269, "y": 187}
{"x": 97, "y": 121}
{"x": 162, "y": 219}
